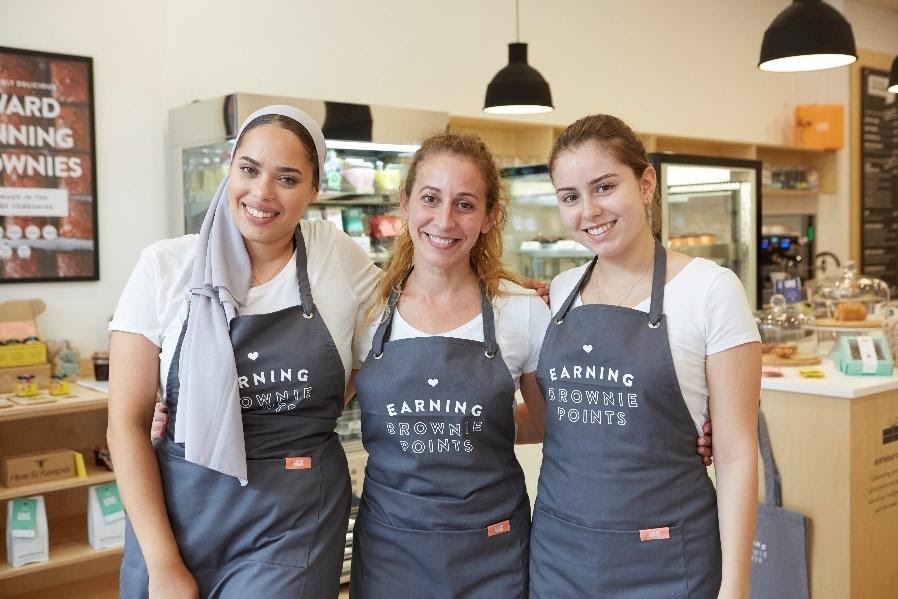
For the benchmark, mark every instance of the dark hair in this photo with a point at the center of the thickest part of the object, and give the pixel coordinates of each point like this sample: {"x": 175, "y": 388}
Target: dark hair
{"x": 305, "y": 138}
{"x": 617, "y": 138}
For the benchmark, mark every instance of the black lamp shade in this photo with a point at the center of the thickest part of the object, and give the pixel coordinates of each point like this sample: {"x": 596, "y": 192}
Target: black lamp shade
{"x": 518, "y": 88}
{"x": 809, "y": 35}
{"x": 893, "y": 77}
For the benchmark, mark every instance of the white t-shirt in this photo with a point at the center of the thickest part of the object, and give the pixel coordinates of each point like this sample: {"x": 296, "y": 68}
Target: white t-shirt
{"x": 342, "y": 277}
{"x": 706, "y": 312}
{"x": 521, "y": 319}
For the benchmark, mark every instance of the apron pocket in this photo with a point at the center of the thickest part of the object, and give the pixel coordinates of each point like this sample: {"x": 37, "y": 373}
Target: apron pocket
{"x": 591, "y": 562}
{"x": 465, "y": 563}
{"x": 273, "y": 519}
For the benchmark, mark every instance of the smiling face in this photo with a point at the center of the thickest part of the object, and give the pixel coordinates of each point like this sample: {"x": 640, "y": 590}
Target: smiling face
{"x": 446, "y": 211}
{"x": 271, "y": 183}
{"x": 602, "y": 202}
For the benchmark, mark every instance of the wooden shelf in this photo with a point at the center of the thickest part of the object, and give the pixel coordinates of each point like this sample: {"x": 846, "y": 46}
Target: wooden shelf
{"x": 82, "y": 399}
{"x": 68, "y": 546}
{"x": 796, "y": 193}
{"x": 95, "y": 476}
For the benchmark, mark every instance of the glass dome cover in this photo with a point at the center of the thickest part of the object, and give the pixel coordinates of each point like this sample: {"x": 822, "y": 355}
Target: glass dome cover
{"x": 786, "y": 332}
{"x": 844, "y": 297}
{"x": 782, "y": 321}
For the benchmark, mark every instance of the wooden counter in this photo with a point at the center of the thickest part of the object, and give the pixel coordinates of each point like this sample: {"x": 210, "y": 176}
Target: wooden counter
{"x": 839, "y": 467}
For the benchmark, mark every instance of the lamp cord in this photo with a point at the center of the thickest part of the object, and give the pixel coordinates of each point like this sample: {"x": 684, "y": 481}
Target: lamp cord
{"x": 517, "y": 21}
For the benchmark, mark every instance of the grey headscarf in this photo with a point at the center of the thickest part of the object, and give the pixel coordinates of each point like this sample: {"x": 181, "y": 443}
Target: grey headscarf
{"x": 208, "y": 421}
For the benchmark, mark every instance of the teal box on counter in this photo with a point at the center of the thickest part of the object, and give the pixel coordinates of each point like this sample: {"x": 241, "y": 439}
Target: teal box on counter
{"x": 861, "y": 355}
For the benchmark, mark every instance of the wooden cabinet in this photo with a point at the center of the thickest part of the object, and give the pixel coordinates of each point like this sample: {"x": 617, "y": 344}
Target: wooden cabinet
{"x": 77, "y": 422}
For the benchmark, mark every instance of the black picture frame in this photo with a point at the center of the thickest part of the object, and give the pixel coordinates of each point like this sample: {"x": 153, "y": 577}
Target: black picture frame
{"x": 47, "y": 143}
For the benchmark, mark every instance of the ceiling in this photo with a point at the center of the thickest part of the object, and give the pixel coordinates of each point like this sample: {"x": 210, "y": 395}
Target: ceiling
{"x": 888, "y": 4}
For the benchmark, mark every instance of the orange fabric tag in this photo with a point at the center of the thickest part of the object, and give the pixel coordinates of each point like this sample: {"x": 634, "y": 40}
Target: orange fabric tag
{"x": 498, "y": 528}
{"x": 298, "y": 463}
{"x": 654, "y": 534}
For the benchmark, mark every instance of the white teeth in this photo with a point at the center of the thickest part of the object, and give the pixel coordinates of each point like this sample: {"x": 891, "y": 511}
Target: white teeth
{"x": 441, "y": 241}
{"x": 258, "y": 213}
{"x": 601, "y": 229}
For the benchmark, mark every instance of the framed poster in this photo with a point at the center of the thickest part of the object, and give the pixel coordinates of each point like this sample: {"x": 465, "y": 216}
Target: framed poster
{"x": 48, "y": 173}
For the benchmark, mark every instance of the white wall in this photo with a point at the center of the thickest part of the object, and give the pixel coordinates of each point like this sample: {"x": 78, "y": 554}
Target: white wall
{"x": 685, "y": 68}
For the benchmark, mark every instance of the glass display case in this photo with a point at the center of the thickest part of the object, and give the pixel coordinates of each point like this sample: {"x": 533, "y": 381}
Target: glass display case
{"x": 536, "y": 243}
{"x": 711, "y": 209}
{"x": 203, "y": 169}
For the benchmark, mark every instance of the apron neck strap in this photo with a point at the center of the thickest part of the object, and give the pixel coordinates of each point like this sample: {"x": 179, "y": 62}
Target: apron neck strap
{"x": 302, "y": 274}
{"x": 489, "y": 322}
{"x": 658, "y": 275}
{"x": 659, "y": 271}
{"x": 386, "y": 322}
{"x": 562, "y": 312}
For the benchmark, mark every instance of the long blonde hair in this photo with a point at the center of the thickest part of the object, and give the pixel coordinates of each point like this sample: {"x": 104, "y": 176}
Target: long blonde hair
{"x": 486, "y": 255}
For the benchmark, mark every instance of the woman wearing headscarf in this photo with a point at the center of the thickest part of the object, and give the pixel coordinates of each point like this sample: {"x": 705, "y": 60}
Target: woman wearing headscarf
{"x": 247, "y": 330}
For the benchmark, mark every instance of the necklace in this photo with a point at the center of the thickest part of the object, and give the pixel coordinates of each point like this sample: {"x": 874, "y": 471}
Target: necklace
{"x": 622, "y": 300}
{"x": 280, "y": 263}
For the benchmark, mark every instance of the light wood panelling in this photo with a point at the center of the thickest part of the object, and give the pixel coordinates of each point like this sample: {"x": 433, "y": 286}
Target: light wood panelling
{"x": 811, "y": 439}
{"x": 874, "y": 499}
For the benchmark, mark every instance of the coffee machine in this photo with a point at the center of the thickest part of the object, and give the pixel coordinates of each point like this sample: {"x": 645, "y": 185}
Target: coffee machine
{"x": 786, "y": 250}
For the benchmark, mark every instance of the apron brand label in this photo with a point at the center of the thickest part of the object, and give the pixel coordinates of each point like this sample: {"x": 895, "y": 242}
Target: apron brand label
{"x": 654, "y": 534}
{"x": 498, "y": 528}
{"x": 303, "y": 463}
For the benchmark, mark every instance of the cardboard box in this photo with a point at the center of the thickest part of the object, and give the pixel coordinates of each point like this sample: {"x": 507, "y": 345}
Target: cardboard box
{"x": 17, "y": 318}
{"x": 18, "y": 321}
{"x": 820, "y": 126}
{"x": 9, "y": 376}
{"x": 38, "y": 467}
{"x": 23, "y": 354}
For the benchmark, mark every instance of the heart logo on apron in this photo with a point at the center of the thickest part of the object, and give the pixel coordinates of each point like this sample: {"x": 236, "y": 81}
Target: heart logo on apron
{"x": 253, "y": 355}
{"x": 432, "y": 382}
{"x": 587, "y": 348}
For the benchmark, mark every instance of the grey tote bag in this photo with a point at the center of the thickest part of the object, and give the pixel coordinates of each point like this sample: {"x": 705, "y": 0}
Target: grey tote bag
{"x": 779, "y": 561}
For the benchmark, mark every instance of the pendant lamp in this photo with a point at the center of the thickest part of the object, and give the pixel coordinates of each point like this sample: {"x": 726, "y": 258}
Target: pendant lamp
{"x": 809, "y": 35}
{"x": 893, "y": 77}
{"x": 518, "y": 88}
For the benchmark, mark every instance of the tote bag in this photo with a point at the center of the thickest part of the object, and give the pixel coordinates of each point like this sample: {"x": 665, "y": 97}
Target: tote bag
{"x": 779, "y": 561}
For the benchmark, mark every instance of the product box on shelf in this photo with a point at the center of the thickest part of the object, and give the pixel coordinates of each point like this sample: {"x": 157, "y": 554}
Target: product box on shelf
{"x": 39, "y": 467}
{"x": 18, "y": 324}
{"x": 27, "y": 538}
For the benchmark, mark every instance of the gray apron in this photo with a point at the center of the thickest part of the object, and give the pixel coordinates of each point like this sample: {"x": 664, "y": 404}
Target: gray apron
{"x": 624, "y": 507}
{"x": 444, "y": 513}
{"x": 283, "y": 534}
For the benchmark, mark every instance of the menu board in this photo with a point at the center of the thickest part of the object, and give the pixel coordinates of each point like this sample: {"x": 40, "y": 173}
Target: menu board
{"x": 879, "y": 181}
